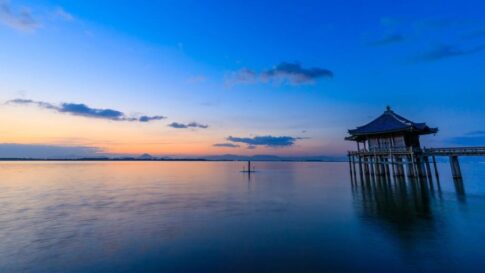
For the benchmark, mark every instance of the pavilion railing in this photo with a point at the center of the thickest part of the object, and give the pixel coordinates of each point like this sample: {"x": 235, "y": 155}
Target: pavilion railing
{"x": 449, "y": 151}
{"x": 382, "y": 151}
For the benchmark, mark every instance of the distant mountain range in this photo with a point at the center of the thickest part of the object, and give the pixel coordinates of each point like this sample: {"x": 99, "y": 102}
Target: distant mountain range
{"x": 231, "y": 157}
{"x": 225, "y": 157}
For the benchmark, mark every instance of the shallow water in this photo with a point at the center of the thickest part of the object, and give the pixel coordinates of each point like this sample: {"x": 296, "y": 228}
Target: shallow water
{"x": 210, "y": 217}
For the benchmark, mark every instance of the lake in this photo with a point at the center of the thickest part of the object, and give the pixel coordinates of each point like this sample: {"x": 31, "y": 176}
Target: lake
{"x": 210, "y": 217}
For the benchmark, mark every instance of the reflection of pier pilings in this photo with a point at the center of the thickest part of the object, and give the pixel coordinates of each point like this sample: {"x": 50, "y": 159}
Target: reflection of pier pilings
{"x": 402, "y": 204}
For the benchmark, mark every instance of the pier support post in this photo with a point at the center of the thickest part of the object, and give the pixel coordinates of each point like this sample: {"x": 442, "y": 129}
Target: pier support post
{"x": 387, "y": 171}
{"x": 410, "y": 166}
{"x": 366, "y": 166}
{"x": 377, "y": 165}
{"x": 455, "y": 166}
{"x": 353, "y": 166}
{"x": 428, "y": 169}
{"x": 435, "y": 169}
{"x": 399, "y": 166}
{"x": 420, "y": 166}
{"x": 360, "y": 168}
{"x": 350, "y": 164}
{"x": 371, "y": 165}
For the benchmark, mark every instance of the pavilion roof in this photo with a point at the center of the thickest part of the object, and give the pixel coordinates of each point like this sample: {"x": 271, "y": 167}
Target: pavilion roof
{"x": 388, "y": 123}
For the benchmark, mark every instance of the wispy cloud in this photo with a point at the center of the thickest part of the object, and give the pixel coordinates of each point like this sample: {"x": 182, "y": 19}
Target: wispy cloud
{"x": 197, "y": 79}
{"x": 284, "y": 72}
{"x": 79, "y": 109}
{"x": 295, "y": 73}
{"x": 226, "y": 145}
{"x": 446, "y": 51}
{"x": 389, "y": 39}
{"x": 474, "y": 34}
{"x": 21, "y": 20}
{"x": 474, "y": 138}
{"x": 476, "y": 133}
{"x": 178, "y": 125}
{"x": 431, "y": 24}
{"x": 243, "y": 76}
{"x": 269, "y": 141}
{"x": 61, "y": 13}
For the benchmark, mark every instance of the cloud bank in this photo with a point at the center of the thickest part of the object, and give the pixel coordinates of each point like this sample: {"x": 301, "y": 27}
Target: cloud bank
{"x": 79, "y": 109}
{"x": 285, "y": 72}
{"x": 268, "y": 141}
{"x": 475, "y": 138}
{"x": 387, "y": 40}
{"x": 446, "y": 51}
{"x": 227, "y": 145}
{"x": 178, "y": 125}
{"x": 21, "y": 20}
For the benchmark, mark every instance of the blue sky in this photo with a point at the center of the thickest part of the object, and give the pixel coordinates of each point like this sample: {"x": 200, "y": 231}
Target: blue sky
{"x": 223, "y": 70}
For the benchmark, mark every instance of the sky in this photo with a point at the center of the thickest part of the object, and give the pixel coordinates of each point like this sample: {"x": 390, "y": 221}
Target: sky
{"x": 193, "y": 78}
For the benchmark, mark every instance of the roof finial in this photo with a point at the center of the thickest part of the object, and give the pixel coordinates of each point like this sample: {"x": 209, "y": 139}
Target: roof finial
{"x": 388, "y": 108}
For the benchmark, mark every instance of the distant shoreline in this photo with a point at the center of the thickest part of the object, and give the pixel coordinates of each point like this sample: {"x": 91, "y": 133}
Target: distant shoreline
{"x": 161, "y": 160}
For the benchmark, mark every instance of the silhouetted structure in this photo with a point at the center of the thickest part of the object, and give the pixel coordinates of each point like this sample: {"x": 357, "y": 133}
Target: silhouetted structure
{"x": 390, "y": 131}
{"x": 390, "y": 145}
{"x": 249, "y": 168}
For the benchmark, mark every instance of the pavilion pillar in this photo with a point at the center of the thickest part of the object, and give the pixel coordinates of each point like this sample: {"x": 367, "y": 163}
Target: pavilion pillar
{"x": 455, "y": 166}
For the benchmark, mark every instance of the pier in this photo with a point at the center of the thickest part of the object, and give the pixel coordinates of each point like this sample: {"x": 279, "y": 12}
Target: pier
{"x": 409, "y": 162}
{"x": 390, "y": 146}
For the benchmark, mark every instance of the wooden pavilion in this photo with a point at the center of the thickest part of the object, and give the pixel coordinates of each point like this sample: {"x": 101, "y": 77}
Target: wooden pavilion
{"x": 387, "y": 144}
{"x": 390, "y": 131}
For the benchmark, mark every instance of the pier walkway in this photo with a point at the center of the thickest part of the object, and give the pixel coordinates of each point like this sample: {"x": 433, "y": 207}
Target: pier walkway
{"x": 413, "y": 162}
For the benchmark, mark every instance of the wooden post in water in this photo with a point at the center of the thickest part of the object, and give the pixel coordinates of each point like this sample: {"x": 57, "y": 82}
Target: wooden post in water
{"x": 355, "y": 166}
{"x": 386, "y": 166}
{"x": 399, "y": 166}
{"x": 436, "y": 169}
{"x": 411, "y": 169}
{"x": 360, "y": 168}
{"x": 455, "y": 166}
{"x": 420, "y": 166}
{"x": 371, "y": 165}
{"x": 366, "y": 166}
{"x": 350, "y": 164}
{"x": 376, "y": 166}
{"x": 428, "y": 169}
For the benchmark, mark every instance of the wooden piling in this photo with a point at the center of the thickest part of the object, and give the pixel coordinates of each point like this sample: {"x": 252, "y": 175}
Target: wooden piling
{"x": 428, "y": 169}
{"x": 435, "y": 169}
{"x": 455, "y": 166}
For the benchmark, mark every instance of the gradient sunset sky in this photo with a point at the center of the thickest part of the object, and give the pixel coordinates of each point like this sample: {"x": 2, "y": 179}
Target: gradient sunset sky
{"x": 191, "y": 78}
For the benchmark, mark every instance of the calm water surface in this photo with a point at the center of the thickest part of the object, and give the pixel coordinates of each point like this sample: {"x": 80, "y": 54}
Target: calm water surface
{"x": 209, "y": 217}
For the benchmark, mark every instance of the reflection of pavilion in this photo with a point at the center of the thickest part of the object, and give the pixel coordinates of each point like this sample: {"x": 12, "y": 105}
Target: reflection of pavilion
{"x": 401, "y": 205}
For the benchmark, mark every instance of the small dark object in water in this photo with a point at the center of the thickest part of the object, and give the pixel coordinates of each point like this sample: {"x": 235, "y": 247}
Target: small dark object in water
{"x": 249, "y": 169}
